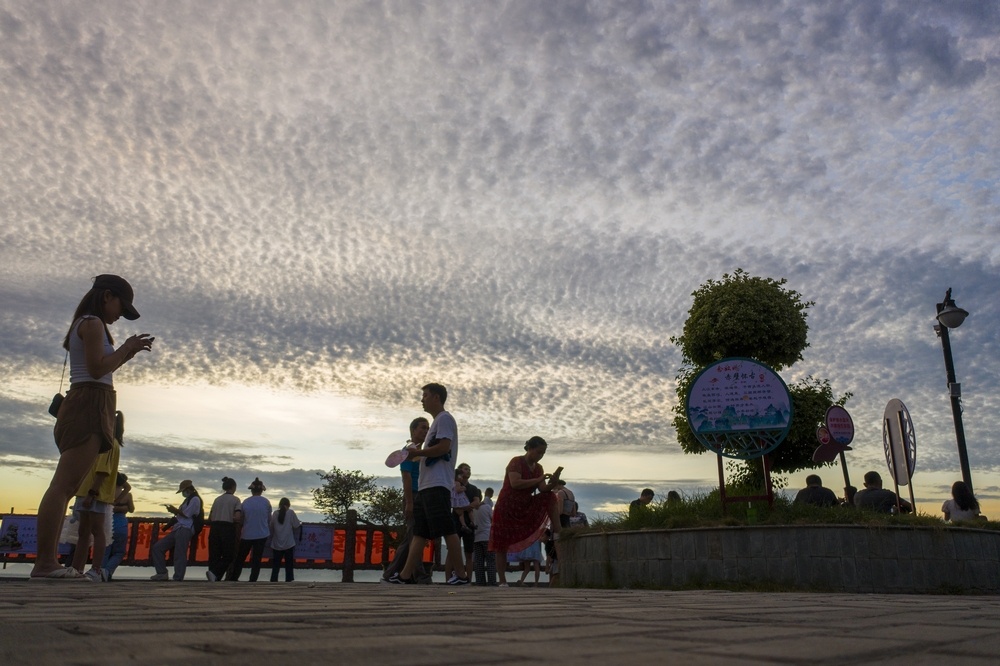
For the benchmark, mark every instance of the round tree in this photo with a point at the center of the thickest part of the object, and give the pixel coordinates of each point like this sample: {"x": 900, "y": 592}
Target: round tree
{"x": 743, "y": 315}
{"x": 758, "y": 318}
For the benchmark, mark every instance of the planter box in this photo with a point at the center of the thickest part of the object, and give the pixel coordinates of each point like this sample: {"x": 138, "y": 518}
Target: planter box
{"x": 840, "y": 558}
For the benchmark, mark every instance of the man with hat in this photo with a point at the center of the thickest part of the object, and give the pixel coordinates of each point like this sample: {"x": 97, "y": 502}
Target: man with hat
{"x": 256, "y": 529}
{"x": 179, "y": 537}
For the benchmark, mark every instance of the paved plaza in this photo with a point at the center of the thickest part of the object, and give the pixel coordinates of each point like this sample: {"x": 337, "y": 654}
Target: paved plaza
{"x": 138, "y": 622}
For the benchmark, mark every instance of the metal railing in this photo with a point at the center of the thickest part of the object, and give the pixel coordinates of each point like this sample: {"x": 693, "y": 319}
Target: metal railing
{"x": 354, "y": 545}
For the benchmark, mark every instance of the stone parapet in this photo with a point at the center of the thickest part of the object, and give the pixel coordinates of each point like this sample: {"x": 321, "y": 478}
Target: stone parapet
{"x": 840, "y": 558}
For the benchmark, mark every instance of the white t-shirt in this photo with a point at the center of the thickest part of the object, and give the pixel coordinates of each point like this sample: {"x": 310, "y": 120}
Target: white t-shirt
{"x": 256, "y": 516}
{"x": 483, "y": 518}
{"x": 440, "y": 472}
{"x": 955, "y": 513}
{"x": 189, "y": 508}
{"x": 283, "y": 534}
{"x": 224, "y": 508}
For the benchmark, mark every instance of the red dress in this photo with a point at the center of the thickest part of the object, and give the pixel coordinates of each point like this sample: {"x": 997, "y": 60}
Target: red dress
{"x": 520, "y": 516}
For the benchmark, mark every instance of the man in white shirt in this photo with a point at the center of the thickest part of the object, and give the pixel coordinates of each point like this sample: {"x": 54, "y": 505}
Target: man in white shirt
{"x": 432, "y": 516}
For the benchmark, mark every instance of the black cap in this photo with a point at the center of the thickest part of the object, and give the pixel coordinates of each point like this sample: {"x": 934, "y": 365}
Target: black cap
{"x": 120, "y": 287}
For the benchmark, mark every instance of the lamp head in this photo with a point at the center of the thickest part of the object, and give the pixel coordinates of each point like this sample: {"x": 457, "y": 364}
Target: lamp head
{"x": 949, "y": 314}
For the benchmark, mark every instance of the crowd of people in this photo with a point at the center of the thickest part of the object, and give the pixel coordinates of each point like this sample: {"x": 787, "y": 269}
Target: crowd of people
{"x": 962, "y": 506}
{"x": 237, "y": 530}
{"x": 440, "y": 502}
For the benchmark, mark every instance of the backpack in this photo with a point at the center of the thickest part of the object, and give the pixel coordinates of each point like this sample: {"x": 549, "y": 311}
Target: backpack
{"x": 198, "y": 521}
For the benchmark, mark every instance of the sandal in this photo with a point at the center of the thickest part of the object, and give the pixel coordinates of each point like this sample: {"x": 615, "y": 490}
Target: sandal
{"x": 66, "y": 573}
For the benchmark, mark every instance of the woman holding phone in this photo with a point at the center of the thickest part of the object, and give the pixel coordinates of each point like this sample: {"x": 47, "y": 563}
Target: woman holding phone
{"x": 526, "y": 505}
{"x": 85, "y": 422}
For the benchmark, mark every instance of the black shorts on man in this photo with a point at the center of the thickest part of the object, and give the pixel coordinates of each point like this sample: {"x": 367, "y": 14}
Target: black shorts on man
{"x": 432, "y": 516}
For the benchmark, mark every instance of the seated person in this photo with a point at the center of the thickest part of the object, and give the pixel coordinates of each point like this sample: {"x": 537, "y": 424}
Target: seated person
{"x": 963, "y": 504}
{"x": 638, "y": 506}
{"x": 875, "y": 498}
{"x": 814, "y": 493}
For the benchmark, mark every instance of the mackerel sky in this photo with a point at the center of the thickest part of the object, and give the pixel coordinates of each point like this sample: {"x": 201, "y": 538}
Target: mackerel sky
{"x": 323, "y": 206}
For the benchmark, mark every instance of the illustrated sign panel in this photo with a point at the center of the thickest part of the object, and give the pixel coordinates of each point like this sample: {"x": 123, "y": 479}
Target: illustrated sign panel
{"x": 739, "y": 408}
{"x": 835, "y": 436}
{"x": 18, "y": 534}
{"x": 316, "y": 543}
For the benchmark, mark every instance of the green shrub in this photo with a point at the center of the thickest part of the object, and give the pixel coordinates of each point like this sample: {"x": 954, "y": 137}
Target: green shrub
{"x": 705, "y": 510}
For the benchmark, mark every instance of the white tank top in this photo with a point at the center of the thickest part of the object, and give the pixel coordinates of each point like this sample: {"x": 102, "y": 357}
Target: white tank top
{"x": 77, "y": 360}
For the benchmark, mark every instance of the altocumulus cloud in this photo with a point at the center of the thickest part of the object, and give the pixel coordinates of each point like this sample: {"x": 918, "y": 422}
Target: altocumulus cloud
{"x": 517, "y": 198}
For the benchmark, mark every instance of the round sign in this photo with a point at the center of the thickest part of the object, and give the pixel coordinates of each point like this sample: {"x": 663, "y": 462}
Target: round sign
{"x": 840, "y": 425}
{"x": 899, "y": 441}
{"x": 739, "y": 408}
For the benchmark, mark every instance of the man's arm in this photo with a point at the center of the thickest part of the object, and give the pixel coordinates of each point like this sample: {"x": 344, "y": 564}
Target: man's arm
{"x": 442, "y": 447}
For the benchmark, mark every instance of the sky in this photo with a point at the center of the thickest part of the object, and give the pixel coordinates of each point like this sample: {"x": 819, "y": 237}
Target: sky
{"x": 324, "y": 206}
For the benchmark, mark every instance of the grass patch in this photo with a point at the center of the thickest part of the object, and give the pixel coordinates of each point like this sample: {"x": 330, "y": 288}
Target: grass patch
{"x": 705, "y": 510}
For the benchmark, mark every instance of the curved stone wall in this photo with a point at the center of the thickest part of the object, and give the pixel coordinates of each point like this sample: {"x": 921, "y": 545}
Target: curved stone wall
{"x": 843, "y": 558}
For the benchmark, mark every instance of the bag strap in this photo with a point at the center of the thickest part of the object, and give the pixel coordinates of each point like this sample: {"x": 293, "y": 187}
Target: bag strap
{"x": 63, "y": 375}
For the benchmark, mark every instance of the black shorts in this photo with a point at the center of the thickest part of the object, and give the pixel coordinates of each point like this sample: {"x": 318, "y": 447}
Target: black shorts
{"x": 469, "y": 538}
{"x": 432, "y": 513}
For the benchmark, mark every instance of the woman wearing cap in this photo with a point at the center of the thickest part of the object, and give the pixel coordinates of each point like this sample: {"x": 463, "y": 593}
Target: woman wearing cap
{"x": 180, "y": 535}
{"x": 85, "y": 423}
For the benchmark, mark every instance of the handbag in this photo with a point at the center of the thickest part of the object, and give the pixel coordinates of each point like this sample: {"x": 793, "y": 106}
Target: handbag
{"x": 58, "y": 398}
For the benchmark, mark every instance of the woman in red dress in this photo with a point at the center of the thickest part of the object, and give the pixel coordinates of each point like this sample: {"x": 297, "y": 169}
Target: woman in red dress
{"x": 521, "y": 515}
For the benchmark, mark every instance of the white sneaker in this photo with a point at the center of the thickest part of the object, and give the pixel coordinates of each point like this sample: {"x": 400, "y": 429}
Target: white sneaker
{"x": 211, "y": 577}
{"x": 94, "y": 575}
{"x": 160, "y": 577}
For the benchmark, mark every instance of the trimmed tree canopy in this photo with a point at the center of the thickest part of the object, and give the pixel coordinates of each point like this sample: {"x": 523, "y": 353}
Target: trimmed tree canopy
{"x": 758, "y": 318}
{"x": 742, "y": 315}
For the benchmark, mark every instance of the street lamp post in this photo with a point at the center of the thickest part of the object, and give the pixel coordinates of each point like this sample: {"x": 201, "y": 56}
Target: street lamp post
{"x": 950, "y": 316}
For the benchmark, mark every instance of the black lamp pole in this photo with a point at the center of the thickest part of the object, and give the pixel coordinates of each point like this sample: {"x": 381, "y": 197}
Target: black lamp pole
{"x": 951, "y": 316}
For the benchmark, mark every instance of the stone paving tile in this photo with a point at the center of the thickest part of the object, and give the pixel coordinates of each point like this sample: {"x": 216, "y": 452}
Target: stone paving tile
{"x": 935, "y": 660}
{"x": 72, "y": 623}
{"x": 796, "y": 650}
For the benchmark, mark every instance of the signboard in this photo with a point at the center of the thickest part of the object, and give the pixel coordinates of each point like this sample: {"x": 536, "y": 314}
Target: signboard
{"x": 739, "y": 408}
{"x": 835, "y": 436}
{"x": 316, "y": 543}
{"x": 18, "y": 534}
{"x": 840, "y": 425}
{"x": 899, "y": 441}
